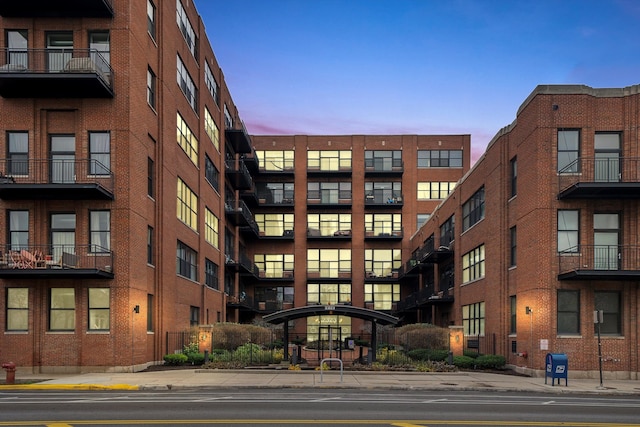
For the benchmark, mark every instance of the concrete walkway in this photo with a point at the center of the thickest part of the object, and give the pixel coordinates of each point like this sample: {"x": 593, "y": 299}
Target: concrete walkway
{"x": 257, "y": 379}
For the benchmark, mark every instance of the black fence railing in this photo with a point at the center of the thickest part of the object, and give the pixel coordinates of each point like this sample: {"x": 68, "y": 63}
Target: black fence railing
{"x": 56, "y": 256}
{"x": 612, "y": 258}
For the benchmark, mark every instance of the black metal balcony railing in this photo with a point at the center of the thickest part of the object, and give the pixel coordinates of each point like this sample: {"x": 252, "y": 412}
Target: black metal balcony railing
{"x": 58, "y": 9}
{"x": 275, "y": 198}
{"x": 424, "y": 297}
{"x": 239, "y": 139}
{"x": 383, "y": 167}
{"x": 341, "y": 170}
{"x": 383, "y": 198}
{"x": 275, "y": 275}
{"x": 329, "y": 197}
{"x": 52, "y": 178}
{"x": 81, "y": 261}
{"x": 55, "y": 73}
{"x": 384, "y": 232}
{"x": 240, "y": 214}
{"x": 606, "y": 262}
{"x": 381, "y": 272}
{"x": 609, "y": 178}
{"x": 239, "y": 175}
{"x": 277, "y": 166}
{"x": 337, "y": 234}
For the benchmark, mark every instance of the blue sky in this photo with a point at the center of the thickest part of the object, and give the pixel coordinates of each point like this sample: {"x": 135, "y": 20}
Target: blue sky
{"x": 328, "y": 67}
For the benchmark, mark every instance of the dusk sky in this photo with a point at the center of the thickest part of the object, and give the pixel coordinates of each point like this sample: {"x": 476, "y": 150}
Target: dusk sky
{"x": 331, "y": 67}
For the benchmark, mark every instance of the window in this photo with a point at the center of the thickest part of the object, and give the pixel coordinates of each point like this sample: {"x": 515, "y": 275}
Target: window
{"x": 275, "y": 296}
{"x": 275, "y": 265}
{"x": 512, "y": 314}
{"x": 328, "y": 262}
{"x": 186, "y": 29}
{"x": 151, "y": 19}
{"x": 17, "y": 309}
{"x": 318, "y": 327}
{"x": 150, "y": 326}
{"x": 99, "y": 42}
{"x": 447, "y": 231}
{"x": 99, "y": 153}
{"x": 62, "y": 309}
{"x": 382, "y": 295}
{"x": 609, "y": 303}
{"x": 439, "y": 158}
{"x": 211, "y": 84}
{"x": 187, "y": 262}
{"x": 606, "y": 241}
{"x": 382, "y": 262}
{"x": 568, "y": 151}
{"x": 228, "y": 120}
{"x": 327, "y": 224}
{"x": 383, "y": 192}
{"x": 383, "y": 160}
{"x": 514, "y": 177}
{"x": 210, "y": 274}
{"x": 513, "y": 245}
{"x": 473, "y": 319}
{"x": 150, "y": 177}
{"x": 329, "y": 192}
{"x": 329, "y": 160}
{"x": 19, "y": 230}
{"x": 17, "y": 44}
{"x": 63, "y": 234}
{"x": 149, "y": 245}
{"x": 473, "y": 264}
{"x": 275, "y": 192}
{"x": 383, "y": 224}
{"x": 275, "y": 224}
{"x": 211, "y": 228}
{"x": 275, "y": 160}
{"x": 151, "y": 88}
{"x": 18, "y": 153}
{"x": 186, "y": 84}
{"x": 607, "y": 154}
{"x": 186, "y": 139}
{"x": 568, "y": 312}
{"x": 194, "y": 316}
{"x": 211, "y": 129}
{"x": 568, "y": 231}
{"x": 211, "y": 173}
{"x": 63, "y": 159}
{"x": 187, "y": 205}
{"x": 99, "y": 309}
{"x": 473, "y": 210}
{"x": 434, "y": 190}
{"x": 59, "y": 49}
{"x": 421, "y": 218}
{"x": 100, "y": 225}
{"x": 328, "y": 293}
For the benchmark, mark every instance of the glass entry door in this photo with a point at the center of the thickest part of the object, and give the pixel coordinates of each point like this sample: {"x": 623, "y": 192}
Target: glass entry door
{"x": 607, "y": 157}
{"x": 606, "y": 235}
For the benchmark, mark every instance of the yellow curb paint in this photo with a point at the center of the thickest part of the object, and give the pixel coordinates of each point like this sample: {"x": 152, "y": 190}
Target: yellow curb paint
{"x": 37, "y": 386}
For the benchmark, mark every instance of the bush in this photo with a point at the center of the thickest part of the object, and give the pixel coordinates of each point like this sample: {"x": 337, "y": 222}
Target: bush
{"x": 471, "y": 353}
{"x": 463, "y": 362}
{"x": 490, "y": 361}
{"x": 175, "y": 359}
{"x": 195, "y": 358}
{"x": 422, "y": 335}
{"x": 230, "y": 336}
{"x": 422, "y": 354}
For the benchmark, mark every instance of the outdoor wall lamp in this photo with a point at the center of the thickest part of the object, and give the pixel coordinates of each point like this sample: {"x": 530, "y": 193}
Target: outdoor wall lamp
{"x": 136, "y": 309}
{"x": 528, "y": 310}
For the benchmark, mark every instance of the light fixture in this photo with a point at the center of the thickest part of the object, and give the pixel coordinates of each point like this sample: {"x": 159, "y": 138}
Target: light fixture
{"x": 528, "y": 310}
{"x": 136, "y": 309}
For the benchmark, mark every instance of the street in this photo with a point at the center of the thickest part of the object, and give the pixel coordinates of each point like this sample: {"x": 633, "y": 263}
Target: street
{"x": 302, "y": 407}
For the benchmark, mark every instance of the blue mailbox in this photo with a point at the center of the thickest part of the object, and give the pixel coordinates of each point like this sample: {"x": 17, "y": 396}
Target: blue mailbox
{"x": 557, "y": 367}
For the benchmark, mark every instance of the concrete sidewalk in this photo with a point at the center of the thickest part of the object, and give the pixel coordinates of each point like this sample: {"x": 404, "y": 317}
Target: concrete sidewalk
{"x": 264, "y": 379}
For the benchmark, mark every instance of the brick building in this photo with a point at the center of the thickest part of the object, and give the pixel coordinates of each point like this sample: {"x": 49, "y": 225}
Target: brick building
{"x": 542, "y": 233}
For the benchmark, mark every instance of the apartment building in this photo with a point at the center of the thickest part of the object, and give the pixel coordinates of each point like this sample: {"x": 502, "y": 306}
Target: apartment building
{"x": 540, "y": 239}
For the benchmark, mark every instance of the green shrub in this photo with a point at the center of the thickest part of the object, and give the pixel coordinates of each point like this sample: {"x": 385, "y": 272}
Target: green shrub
{"x": 195, "y": 358}
{"x": 470, "y": 353}
{"x": 490, "y": 361}
{"x": 423, "y": 354}
{"x": 422, "y": 335}
{"x": 175, "y": 359}
{"x": 463, "y": 362}
{"x": 230, "y": 336}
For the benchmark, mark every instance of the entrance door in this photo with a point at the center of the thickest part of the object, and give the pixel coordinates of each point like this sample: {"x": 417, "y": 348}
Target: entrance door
{"x": 59, "y": 50}
{"x": 63, "y": 159}
{"x": 606, "y": 235}
{"x": 332, "y": 336}
{"x": 607, "y": 157}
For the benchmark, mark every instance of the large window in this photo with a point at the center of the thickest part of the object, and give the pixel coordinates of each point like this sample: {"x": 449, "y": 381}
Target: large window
{"x": 434, "y": 190}
{"x": 276, "y": 160}
{"x": 275, "y": 265}
{"x": 18, "y": 230}
{"x": 568, "y": 151}
{"x": 99, "y": 44}
{"x": 18, "y": 153}
{"x": 187, "y": 140}
{"x": 328, "y": 293}
{"x": 186, "y": 29}
{"x": 187, "y": 205}
{"x": 329, "y": 192}
{"x": 211, "y": 234}
{"x": 62, "y": 309}
{"x": 17, "y": 44}
{"x": 568, "y": 230}
{"x": 383, "y": 160}
{"x": 383, "y": 224}
{"x": 473, "y": 319}
{"x": 63, "y": 159}
{"x": 211, "y": 129}
{"x": 100, "y": 228}
{"x": 328, "y": 262}
{"x": 187, "y": 262}
{"x": 59, "y": 49}
{"x": 473, "y": 264}
{"x": 383, "y": 192}
{"x": 439, "y": 158}
{"x": 329, "y": 160}
{"x": 328, "y": 224}
{"x": 63, "y": 234}
{"x": 568, "y": 316}
{"x": 210, "y": 83}
{"x": 609, "y": 303}
{"x": 211, "y": 173}
{"x": 151, "y": 19}
{"x": 99, "y": 309}
{"x": 447, "y": 231}
{"x": 275, "y": 192}
{"x": 17, "y": 309}
{"x": 275, "y": 224}
{"x": 473, "y": 210}
{"x": 382, "y": 262}
{"x": 210, "y": 274}
{"x": 186, "y": 84}
{"x": 100, "y": 153}
{"x": 382, "y": 295}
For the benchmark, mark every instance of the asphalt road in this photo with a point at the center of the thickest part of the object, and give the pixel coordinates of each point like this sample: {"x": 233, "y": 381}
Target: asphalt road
{"x": 311, "y": 407}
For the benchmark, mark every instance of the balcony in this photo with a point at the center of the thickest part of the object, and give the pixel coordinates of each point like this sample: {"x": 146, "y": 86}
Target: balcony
{"x": 381, "y": 275}
{"x": 383, "y": 199}
{"x": 55, "y": 73}
{"x": 276, "y": 276}
{"x": 277, "y": 167}
{"x": 286, "y": 235}
{"x": 600, "y": 262}
{"x": 239, "y": 214}
{"x": 329, "y": 275}
{"x": 316, "y": 234}
{"x": 423, "y": 298}
{"x": 429, "y": 254}
{"x": 238, "y": 175}
{"x": 275, "y": 198}
{"x": 315, "y": 171}
{"x": 55, "y": 179}
{"x": 244, "y": 265}
{"x": 383, "y": 167}
{"x": 57, "y": 9}
{"x": 600, "y": 178}
{"x": 239, "y": 140}
{"x": 329, "y": 198}
{"x": 56, "y": 262}
{"x": 384, "y": 233}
